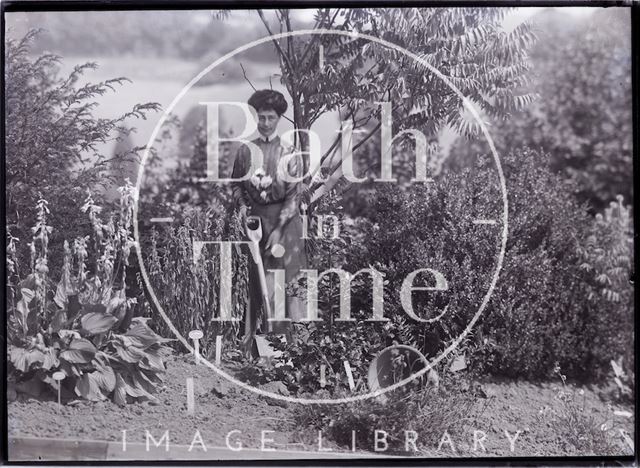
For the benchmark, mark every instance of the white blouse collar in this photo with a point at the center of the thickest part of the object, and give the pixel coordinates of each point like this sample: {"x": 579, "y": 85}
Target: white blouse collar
{"x": 269, "y": 138}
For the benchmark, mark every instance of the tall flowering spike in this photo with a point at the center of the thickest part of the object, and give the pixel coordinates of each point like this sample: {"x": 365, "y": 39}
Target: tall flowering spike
{"x": 122, "y": 227}
{"x": 41, "y": 230}
{"x": 66, "y": 259}
{"x": 32, "y": 251}
{"x": 12, "y": 259}
{"x": 127, "y": 200}
{"x": 80, "y": 252}
{"x": 106, "y": 262}
{"x": 109, "y": 227}
{"x": 93, "y": 211}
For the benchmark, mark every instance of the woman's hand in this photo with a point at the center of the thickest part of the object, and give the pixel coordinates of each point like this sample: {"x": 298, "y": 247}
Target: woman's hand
{"x": 243, "y": 213}
{"x": 274, "y": 238}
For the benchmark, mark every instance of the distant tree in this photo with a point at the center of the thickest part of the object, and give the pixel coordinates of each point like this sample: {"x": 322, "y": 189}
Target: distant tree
{"x": 52, "y": 139}
{"x": 176, "y": 34}
{"x": 583, "y": 117}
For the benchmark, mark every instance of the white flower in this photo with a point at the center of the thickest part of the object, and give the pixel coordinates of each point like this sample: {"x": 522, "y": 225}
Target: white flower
{"x": 263, "y": 194}
{"x": 259, "y": 172}
{"x": 255, "y": 181}
{"x": 265, "y": 181}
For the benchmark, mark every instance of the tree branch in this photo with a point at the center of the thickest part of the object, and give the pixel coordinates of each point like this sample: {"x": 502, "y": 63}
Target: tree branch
{"x": 317, "y": 36}
{"x": 244, "y": 73}
{"x": 290, "y": 48}
{"x": 276, "y": 43}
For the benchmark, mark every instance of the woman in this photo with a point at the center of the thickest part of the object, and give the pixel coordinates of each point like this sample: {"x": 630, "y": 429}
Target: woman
{"x": 275, "y": 201}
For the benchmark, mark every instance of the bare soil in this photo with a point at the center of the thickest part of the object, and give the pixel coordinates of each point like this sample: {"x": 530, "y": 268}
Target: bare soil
{"x": 221, "y": 407}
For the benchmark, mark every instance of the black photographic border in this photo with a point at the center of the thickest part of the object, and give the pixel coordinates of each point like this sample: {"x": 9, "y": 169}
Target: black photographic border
{"x": 128, "y": 5}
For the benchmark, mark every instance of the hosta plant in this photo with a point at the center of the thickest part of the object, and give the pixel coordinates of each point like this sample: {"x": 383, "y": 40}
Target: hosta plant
{"x": 83, "y": 325}
{"x": 100, "y": 356}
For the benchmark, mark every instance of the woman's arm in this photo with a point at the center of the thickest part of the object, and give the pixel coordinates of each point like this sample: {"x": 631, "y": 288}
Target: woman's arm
{"x": 290, "y": 205}
{"x": 292, "y": 190}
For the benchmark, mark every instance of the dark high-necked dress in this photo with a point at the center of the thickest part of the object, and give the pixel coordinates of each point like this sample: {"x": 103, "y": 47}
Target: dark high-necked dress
{"x": 276, "y": 202}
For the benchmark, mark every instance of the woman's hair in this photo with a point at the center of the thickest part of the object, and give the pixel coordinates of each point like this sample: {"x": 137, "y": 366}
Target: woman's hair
{"x": 268, "y": 99}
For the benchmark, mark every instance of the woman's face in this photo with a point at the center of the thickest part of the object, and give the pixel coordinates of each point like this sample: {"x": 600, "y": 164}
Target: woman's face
{"x": 267, "y": 122}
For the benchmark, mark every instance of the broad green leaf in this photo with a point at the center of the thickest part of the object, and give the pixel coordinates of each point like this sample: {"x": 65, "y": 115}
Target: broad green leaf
{"x": 140, "y": 377}
{"x": 25, "y": 311}
{"x": 91, "y": 294}
{"x": 69, "y": 369}
{"x": 27, "y": 294}
{"x": 22, "y": 359}
{"x": 117, "y": 300}
{"x": 135, "y": 389}
{"x": 131, "y": 354}
{"x": 120, "y": 391}
{"x": 97, "y": 322}
{"x": 151, "y": 377}
{"x": 50, "y": 359}
{"x": 30, "y": 282}
{"x": 58, "y": 321}
{"x": 88, "y": 388}
{"x": 152, "y": 363}
{"x": 142, "y": 336}
{"x": 64, "y": 289}
{"x": 119, "y": 306}
{"x": 80, "y": 351}
{"x": 106, "y": 295}
{"x": 66, "y": 333}
{"x": 105, "y": 377}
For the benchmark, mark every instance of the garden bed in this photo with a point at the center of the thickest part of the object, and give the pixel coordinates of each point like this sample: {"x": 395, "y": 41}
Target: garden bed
{"x": 221, "y": 408}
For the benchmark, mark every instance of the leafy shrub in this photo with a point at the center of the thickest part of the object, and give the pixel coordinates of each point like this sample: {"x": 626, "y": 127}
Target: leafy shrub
{"x": 607, "y": 259}
{"x": 429, "y": 411}
{"x": 562, "y": 295}
{"x": 314, "y": 345}
{"x": 541, "y": 311}
{"x": 53, "y": 142}
{"x": 83, "y": 326}
{"x": 625, "y": 381}
{"x": 582, "y": 433}
{"x": 328, "y": 342}
{"x": 583, "y": 117}
{"x": 189, "y": 291}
